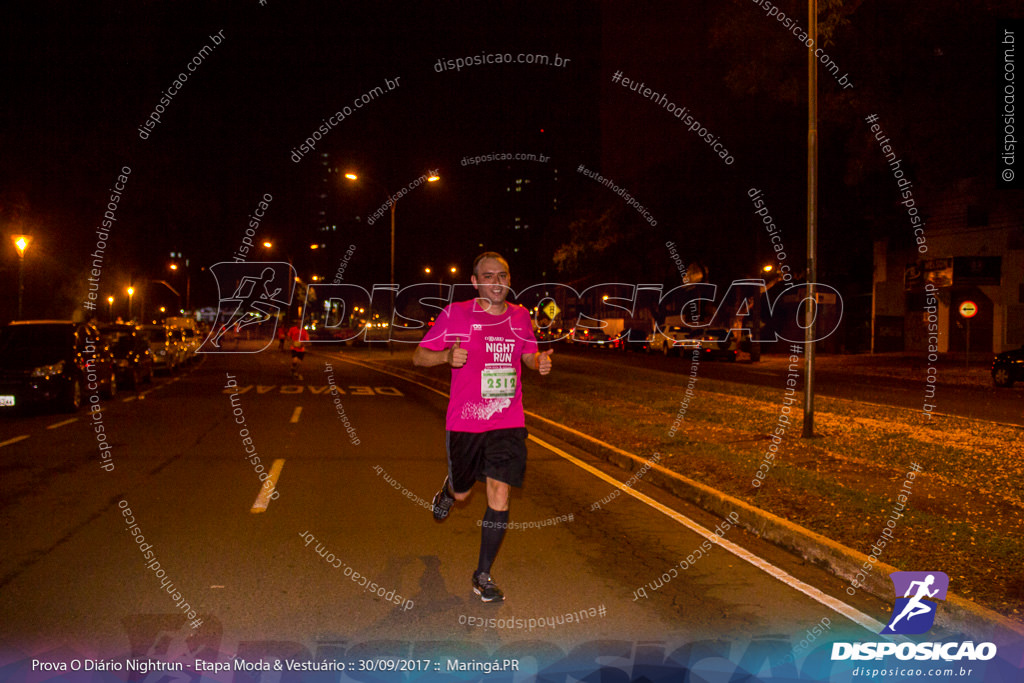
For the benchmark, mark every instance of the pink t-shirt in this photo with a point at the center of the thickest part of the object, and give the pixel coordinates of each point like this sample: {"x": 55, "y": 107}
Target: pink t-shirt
{"x": 486, "y": 392}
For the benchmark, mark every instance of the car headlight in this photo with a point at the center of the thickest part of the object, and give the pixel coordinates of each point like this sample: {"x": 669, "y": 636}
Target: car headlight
{"x": 47, "y": 370}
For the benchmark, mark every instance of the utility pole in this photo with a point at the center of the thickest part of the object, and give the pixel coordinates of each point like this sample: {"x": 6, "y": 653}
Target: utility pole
{"x": 811, "y": 308}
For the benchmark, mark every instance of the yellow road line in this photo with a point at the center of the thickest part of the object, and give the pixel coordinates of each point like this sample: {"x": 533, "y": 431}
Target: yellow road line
{"x": 295, "y": 414}
{"x": 14, "y": 440}
{"x": 68, "y": 421}
{"x": 851, "y": 613}
{"x": 268, "y": 487}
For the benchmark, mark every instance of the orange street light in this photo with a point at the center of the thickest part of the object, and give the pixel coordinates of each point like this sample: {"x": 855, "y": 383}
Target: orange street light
{"x": 21, "y": 243}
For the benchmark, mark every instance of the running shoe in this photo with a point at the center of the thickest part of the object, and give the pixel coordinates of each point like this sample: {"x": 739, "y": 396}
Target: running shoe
{"x": 442, "y": 502}
{"x": 485, "y": 588}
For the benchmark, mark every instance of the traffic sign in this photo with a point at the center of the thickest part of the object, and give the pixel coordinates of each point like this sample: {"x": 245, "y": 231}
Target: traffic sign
{"x": 968, "y": 309}
{"x": 552, "y": 310}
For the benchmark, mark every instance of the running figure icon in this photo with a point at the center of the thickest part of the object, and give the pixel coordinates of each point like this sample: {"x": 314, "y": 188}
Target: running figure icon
{"x": 916, "y": 606}
{"x": 260, "y": 295}
{"x": 914, "y": 612}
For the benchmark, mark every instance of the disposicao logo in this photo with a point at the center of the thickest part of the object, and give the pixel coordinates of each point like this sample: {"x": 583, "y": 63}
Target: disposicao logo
{"x": 913, "y": 613}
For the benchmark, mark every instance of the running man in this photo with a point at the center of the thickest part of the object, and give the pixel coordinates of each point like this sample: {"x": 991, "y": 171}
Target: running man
{"x": 916, "y": 605}
{"x": 484, "y": 340}
{"x": 298, "y": 337}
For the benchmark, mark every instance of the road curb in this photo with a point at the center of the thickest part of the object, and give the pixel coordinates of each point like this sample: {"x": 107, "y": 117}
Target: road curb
{"x": 958, "y": 614}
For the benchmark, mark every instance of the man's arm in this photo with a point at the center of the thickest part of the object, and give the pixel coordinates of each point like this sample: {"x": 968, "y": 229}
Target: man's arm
{"x": 454, "y": 356}
{"x": 540, "y": 361}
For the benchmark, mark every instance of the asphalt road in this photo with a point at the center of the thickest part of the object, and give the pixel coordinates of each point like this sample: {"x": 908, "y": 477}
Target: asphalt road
{"x": 287, "y": 581}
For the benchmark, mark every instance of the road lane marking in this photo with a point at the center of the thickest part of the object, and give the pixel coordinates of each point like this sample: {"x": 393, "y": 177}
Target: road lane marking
{"x": 295, "y": 414}
{"x": 854, "y": 615}
{"x": 14, "y": 440}
{"x": 267, "y": 489}
{"x": 68, "y": 421}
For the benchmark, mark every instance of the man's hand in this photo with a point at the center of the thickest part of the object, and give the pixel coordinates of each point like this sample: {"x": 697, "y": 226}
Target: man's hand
{"x": 544, "y": 361}
{"x": 457, "y": 355}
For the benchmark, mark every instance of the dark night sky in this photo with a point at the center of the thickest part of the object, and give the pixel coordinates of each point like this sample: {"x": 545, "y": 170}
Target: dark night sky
{"x": 79, "y": 80}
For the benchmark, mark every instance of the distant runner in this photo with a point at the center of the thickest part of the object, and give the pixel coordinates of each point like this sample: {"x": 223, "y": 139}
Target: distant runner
{"x": 484, "y": 340}
{"x": 298, "y": 336}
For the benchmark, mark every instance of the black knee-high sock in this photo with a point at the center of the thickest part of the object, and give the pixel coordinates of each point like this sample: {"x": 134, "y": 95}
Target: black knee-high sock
{"x": 491, "y": 533}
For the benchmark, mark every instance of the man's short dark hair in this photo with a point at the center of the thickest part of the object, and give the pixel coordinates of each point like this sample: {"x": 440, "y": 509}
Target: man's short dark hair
{"x": 486, "y": 255}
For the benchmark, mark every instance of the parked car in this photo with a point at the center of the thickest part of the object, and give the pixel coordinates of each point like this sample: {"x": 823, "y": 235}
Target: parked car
{"x": 593, "y": 338}
{"x": 165, "y": 345}
{"x": 636, "y": 340}
{"x": 1008, "y": 367}
{"x": 718, "y": 344}
{"x": 133, "y": 360}
{"x": 190, "y": 336}
{"x": 53, "y": 362}
{"x": 673, "y": 339}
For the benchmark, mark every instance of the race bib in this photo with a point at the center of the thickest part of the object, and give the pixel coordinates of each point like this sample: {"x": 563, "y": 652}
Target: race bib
{"x": 498, "y": 382}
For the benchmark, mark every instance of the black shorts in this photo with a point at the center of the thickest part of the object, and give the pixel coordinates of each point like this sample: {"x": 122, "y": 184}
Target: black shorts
{"x": 499, "y": 454}
{"x": 298, "y": 354}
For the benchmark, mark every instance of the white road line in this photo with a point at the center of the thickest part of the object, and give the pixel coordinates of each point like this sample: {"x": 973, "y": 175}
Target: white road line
{"x": 14, "y": 440}
{"x": 295, "y": 414}
{"x": 68, "y": 421}
{"x": 854, "y": 615}
{"x": 267, "y": 490}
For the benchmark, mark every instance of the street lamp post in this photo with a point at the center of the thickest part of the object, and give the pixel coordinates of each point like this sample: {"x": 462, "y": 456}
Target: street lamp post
{"x": 391, "y": 277}
{"x": 131, "y": 291}
{"x": 188, "y": 280}
{"x": 755, "y": 345}
{"x": 21, "y": 244}
{"x": 110, "y": 309}
{"x": 810, "y": 311}
{"x": 166, "y": 284}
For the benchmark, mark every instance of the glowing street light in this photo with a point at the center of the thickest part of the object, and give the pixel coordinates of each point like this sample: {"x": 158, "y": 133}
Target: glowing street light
{"x": 110, "y": 308}
{"x": 21, "y": 243}
{"x": 131, "y": 291}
